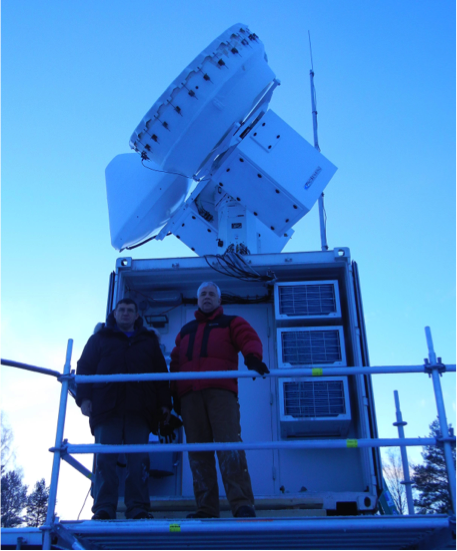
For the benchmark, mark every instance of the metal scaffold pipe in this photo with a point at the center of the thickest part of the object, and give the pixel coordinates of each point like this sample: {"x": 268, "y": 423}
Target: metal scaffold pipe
{"x": 404, "y": 455}
{"x": 34, "y": 368}
{"x": 323, "y": 230}
{"x": 276, "y": 445}
{"x": 295, "y": 372}
{"x": 435, "y": 367}
{"x": 57, "y": 455}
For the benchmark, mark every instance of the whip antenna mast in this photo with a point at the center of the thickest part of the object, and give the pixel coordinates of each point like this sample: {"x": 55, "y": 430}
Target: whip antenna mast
{"x": 322, "y": 215}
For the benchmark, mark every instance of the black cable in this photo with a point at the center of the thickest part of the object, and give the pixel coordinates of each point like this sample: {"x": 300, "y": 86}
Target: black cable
{"x": 325, "y": 215}
{"x": 223, "y": 271}
{"x": 83, "y": 504}
{"x": 233, "y": 265}
{"x": 230, "y": 298}
{"x": 154, "y": 300}
{"x": 145, "y": 296}
{"x": 216, "y": 270}
{"x": 205, "y": 214}
{"x": 169, "y": 309}
{"x": 176, "y": 173}
{"x": 164, "y": 171}
{"x": 142, "y": 243}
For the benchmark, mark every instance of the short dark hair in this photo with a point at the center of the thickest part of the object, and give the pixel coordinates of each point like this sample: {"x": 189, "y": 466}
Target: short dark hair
{"x": 127, "y": 301}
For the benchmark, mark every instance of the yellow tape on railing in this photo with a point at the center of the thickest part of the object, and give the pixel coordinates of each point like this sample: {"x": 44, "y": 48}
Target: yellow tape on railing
{"x": 317, "y": 371}
{"x": 351, "y": 443}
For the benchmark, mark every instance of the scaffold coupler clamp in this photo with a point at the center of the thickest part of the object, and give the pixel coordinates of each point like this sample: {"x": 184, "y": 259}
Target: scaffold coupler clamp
{"x": 429, "y": 367}
{"x": 400, "y": 424}
{"x": 441, "y": 440}
{"x": 63, "y": 448}
{"x": 66, "y": 376}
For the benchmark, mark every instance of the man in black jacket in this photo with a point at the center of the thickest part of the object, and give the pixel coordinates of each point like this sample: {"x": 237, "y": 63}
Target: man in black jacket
{"x": 122, "y": 413}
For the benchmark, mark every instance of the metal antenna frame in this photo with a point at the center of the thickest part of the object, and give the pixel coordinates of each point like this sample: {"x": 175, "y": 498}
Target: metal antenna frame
{"x": 323, "y": 229}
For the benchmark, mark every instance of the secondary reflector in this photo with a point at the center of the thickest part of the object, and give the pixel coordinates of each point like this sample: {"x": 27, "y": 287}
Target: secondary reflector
{"x": 140, "y": 200}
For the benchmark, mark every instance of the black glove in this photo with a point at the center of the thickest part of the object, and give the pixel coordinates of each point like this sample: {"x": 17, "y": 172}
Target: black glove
{"x": 167, "y": 432}
{"x": 254, "y": 363}
{"x": 176, "y": 404}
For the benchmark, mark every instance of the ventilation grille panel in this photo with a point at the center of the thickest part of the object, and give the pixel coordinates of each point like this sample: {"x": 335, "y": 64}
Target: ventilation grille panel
{"x": 310, "y": 407}
{"x": 311, "y": 347}
{"x": 314, "y": 399}
{"x": 307, "y": 300}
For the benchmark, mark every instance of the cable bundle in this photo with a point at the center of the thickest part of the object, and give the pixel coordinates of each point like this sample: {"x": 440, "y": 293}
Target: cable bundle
{"x": 230, "y": 298}
{"x": 234, "y": 265}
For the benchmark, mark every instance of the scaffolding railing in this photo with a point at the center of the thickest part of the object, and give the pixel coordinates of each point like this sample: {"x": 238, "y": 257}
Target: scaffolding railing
{"x": 433, "y": 367}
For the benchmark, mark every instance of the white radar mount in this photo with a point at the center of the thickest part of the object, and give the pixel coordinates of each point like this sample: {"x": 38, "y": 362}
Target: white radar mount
{"x": 216, "y": 167}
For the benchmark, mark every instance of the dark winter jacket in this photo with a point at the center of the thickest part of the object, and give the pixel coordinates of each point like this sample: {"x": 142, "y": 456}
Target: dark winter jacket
{"x": 111, "y": 351}
{"x": 212, "y": 343}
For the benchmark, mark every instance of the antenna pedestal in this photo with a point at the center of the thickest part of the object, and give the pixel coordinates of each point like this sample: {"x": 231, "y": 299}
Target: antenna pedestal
{"x": 237, "y": 227}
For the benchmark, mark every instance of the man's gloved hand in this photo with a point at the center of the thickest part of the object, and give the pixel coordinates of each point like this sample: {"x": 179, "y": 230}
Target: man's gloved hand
{"x": 86, "y": 407}
{"x": 176, "y": 404}
{"x": 167, "y": 431}
{"x": 252, "y": 362}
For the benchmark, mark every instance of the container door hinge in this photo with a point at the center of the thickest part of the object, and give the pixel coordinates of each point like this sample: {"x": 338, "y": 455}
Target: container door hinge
{"x": 271, "y": 398}
{"x": 274, "y": 473}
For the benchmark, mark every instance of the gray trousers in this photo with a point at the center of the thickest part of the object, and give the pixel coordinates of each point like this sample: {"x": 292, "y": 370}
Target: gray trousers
{"x": 213, "y": 415}
{"x": 128, "y": 429}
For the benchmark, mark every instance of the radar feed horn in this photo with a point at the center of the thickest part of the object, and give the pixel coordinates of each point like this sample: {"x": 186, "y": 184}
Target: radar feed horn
{"x": 255, "y": 176}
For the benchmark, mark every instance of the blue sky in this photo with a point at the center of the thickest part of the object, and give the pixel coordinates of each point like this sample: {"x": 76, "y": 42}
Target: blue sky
{"x": 77, "y": 78}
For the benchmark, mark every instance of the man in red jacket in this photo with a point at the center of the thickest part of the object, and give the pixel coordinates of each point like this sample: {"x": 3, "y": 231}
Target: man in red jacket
{"x": 209, "y": 407}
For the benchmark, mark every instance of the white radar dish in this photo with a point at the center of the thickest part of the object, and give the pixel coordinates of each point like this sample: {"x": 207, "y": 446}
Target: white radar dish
{"x": 254, "y": 176}
{"x": 140, "y": 200}
{"x": 217, "y": 90}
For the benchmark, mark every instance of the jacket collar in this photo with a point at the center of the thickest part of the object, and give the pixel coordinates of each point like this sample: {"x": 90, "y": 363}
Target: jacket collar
{"x": 112, "y": 325}
{"x": 201, "y": 316}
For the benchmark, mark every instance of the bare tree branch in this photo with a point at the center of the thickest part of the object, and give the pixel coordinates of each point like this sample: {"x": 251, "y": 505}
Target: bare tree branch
{"x": 8, "y": 456}
{"x": 393, "y": 475}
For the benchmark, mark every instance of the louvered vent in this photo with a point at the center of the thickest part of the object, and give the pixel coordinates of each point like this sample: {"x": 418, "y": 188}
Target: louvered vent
{"x": 311, "y": 346}
{"x": 307, "y": 300}
{"x": 314, "y": 399}
{"x": 310, "y": 407}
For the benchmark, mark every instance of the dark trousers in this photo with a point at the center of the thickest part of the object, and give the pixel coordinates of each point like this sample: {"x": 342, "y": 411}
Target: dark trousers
{"x": 213, "y": 415}
{"x": 128, "y": 429}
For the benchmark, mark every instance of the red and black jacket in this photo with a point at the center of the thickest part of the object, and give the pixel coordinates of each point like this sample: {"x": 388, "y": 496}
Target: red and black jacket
{"x": 211, "y": 343}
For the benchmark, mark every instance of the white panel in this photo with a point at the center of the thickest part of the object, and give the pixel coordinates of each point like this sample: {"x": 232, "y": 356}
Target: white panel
{"x": 140, "y": 201}
{"x": 276, "y": 173}
{"x": 311, "y": 347}
{"x": 198, "y": 234}
{"x": 302, "y": 300}
{"x": 321, "y": 407}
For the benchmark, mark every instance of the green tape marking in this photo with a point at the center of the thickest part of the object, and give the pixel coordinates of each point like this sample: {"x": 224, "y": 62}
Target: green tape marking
{"x": 352, "y": 443}
{"x": 317, "y": 371}
{"x": 175, "y": 528}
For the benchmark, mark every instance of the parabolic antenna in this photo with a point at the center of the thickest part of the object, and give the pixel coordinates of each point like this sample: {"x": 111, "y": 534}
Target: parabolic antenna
{"x": 219, "y": 88}
{"x": 255, "y": 177}
{"x": 140, "y": 201}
